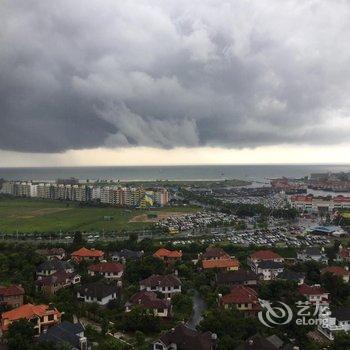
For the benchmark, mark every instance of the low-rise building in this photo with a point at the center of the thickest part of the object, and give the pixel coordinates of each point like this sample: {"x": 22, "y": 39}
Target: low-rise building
{"x": 290, "y": 275}
{"x": 109, "y": 270}
{"x": 84, "y": 254}
{"x": 165, "y": 284}
{"x": 239, "y": 277}
{"x": 314, "y": 294}
{"x": 214, "y": 253}
{"x": 127, "y": 254}
{"x": 221, "y": 264}
{"x": 58, "y": 280}
{"x": 334, "y": 322}
{"x": 263, "y": 255}
{"x": 168, "y": 256}
{"x": 41, "y": 316}
{"x": 71, "y": 335}
{"x": 149, "y": 301}
{"x": 242, "y": 298}
{"x": 184, "y": 338}
{"x": 343, "y": 254}
{"x": 11, "y": 296}
{"x": 97, "y": 292}
{"x": 53, "y": 253}
{"x": 313, "y": 254}
{"x": 49, "y": 267}
{"x": 269, "y": 270}
{"x": 339, "y": 271}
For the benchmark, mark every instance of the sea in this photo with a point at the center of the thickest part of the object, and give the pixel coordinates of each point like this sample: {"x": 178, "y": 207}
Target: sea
{"x": 253, "y": 173}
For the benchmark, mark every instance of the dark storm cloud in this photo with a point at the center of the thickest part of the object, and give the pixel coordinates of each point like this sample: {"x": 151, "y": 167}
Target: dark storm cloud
{"x": 83, "y": 74}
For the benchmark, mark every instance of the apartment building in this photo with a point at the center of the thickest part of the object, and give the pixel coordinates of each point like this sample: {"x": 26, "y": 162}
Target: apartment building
{"x": 310, "y": 203}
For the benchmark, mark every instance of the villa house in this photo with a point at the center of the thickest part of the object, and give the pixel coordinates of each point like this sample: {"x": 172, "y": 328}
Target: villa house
{"x": 11, "y": 296}
{"x": 48, "y": 268}
{"x": 263, "y": 255}
{"x": 290, "y": 275}
{"x": 184, "y": 338}
{"x": 334, "y": 322}
{"x": 343, "y": 254}
{"x": 109, "y": 270}
{"x": 242, "y": 298}
{"x": 53, "y": 253}
{"x": 313, "y": 254}
{"x": 239, "y": 277}
{"x": 339, "y": 271}
{"x": 127, "y": 254}
{"x": 165, "y": 284}
{"x": 268, "y": 269}
{"x": 89, "y": 255}
{"x": 58, "y": 280}
{"x": 41, "y": 316}
{"x": 221, "y": 264}
{"x": 314, "y": 294}
{"x": 213, "y": 253}
{"x": 168, "y": 256}
{"x": 97, "y": 292}
{"x": 149, "y": 301}
{"x": 71, "y": 335}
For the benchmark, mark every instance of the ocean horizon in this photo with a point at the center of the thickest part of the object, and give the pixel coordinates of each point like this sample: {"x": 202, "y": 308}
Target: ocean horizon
{"x": 251, "y": 172}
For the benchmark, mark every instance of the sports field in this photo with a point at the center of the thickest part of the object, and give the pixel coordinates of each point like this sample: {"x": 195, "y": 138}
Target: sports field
{"x": 28, "y": 215}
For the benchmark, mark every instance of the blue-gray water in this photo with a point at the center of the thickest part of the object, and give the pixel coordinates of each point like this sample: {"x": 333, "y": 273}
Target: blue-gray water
{"x": 202, "y": 172}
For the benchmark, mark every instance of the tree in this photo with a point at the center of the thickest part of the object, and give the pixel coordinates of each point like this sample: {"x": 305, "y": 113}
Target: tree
{"x": 182, "y": 306}
{"x": 20, "y": 335}
{"x": 341, "y": 341}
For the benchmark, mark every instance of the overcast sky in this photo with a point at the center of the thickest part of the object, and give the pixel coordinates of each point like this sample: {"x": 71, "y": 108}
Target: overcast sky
{"x": 128, "y": 82}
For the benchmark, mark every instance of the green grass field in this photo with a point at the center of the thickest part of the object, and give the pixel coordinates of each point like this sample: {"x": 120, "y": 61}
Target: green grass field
{"x": 28, "y": 216}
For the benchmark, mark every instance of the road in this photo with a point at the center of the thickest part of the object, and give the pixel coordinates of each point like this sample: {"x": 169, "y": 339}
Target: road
{"x": 199, "y": 307}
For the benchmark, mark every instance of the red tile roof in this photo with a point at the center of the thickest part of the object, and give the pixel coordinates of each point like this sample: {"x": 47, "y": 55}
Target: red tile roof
{"x": 305, "y": 289}
{"x": 344, "y": 252}
{"x": 107, "y": 267}
{"x": 336, "y": 270}
{"x": 12, "y": 290}
{"x": 88, "y": 253}
{"x": 220, "y": 263}
{"x": 28, "y": 311}
{"x": 240, "y": 295}
{"x": 165, "y": 253}
{"x": 264, "y": 255}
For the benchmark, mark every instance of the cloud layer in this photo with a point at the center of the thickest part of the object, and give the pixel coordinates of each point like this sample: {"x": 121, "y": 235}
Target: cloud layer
{"x": 83, "y": 74}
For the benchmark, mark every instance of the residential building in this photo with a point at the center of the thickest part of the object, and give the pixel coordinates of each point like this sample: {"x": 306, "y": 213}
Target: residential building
{"x": 184, "y": 338}
{"x": 242, "y": 298}
{"x": 109, "y": 270}
{"x": 127, "y": 254}
{"x": 314, "y": 294}
{"x": 168, "y": 256}
{"x": 258, "y": 342}
{"x": 314, "y": 204}
{"x": 84, "y": 254}
{"x": 290, "y": 275}
{"x": 269, "y": 270}
{"x": 53, "y": 253}
{"x": 343, "y": 254}
{"x": 334, "y": 322}
{"x": 149, "y": 301}
{"x": 11, "y": 296}
{"x": 49, "y": 267}
{"x": 313, "y": 254}
{"x": 239, "y": 277}
{"x": 214, "y": 253}
{"x": 71, "y": 335}
{"x": 165, "y": 284}
{"x": 339, "y": 271}
{"x": 98, "y": 292}
{"x": 41, "y": 316}
{"x": 263, "y": 255}
{"x": 56, "y": 281}
{"x": 221, "y": 264}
